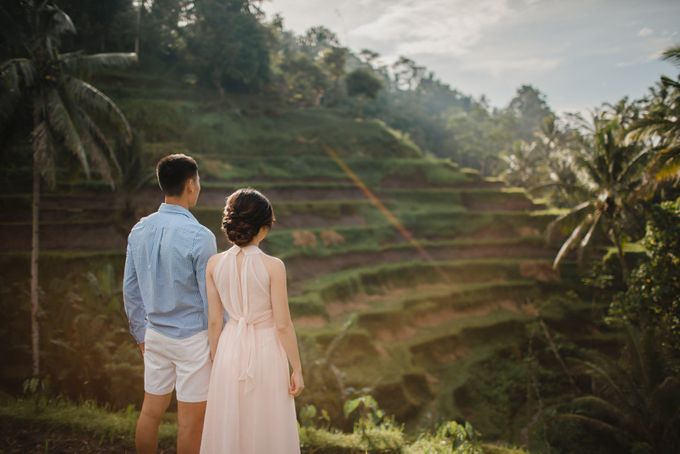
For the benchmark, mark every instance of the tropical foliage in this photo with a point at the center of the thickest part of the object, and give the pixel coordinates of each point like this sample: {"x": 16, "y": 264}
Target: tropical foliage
{"x": 222, "y": 69}
{"x": 67, "y": 112}
{"x": 653, "y": 296}
{"x": 633, "y": 403}
{"x": 608, "y": 174}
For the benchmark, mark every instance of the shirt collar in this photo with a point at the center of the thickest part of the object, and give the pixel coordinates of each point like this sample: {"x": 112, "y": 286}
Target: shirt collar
{"x": 172, "y": 208}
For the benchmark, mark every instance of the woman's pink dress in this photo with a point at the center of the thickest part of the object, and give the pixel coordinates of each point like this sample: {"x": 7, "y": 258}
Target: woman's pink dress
{"x": 249, "y": 410}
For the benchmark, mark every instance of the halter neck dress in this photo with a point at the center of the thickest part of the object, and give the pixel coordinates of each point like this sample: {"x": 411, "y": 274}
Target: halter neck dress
{"x": 249, "y": 410}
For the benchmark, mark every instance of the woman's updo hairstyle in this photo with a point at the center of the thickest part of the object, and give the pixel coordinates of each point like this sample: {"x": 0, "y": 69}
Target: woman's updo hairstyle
{"x": 246, "y": 211}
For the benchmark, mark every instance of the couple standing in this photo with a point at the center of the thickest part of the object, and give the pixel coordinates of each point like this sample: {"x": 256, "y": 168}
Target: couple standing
{"x": 234, "y": 391}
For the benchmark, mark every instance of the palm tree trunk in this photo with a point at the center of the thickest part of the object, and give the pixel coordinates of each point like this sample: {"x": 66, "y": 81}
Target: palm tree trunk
{"x": 616, "y": 239}
{"x": 35, "y": 334}
{"x": 139, "y": 26}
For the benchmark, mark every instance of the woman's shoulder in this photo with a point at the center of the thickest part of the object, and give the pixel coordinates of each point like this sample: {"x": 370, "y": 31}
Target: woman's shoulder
{"x": 273, "y": 264}
{"x": 212, "y": 261}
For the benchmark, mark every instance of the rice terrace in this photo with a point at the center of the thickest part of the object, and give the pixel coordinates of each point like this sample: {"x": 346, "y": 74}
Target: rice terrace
{"x": 462, "y": 278}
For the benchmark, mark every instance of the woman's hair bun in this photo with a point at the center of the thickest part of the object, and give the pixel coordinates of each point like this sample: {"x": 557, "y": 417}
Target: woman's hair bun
{"x": 245, "y": 213}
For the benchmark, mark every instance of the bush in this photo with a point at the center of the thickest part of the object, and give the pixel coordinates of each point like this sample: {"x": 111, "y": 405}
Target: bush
{"x": 653, "y": 295}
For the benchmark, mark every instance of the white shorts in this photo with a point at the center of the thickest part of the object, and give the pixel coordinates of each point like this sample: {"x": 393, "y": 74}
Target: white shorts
{"x": 184, "y": 363}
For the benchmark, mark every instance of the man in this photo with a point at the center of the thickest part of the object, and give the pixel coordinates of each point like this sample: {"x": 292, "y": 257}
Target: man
{"x": 166, "y": 305}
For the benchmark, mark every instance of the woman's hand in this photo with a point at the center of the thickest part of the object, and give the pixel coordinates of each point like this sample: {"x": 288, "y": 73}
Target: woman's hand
{"x": 297, "y": 383}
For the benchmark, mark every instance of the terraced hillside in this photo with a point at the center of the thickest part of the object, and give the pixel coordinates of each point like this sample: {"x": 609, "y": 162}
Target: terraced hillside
{"x": 406, "y": 272}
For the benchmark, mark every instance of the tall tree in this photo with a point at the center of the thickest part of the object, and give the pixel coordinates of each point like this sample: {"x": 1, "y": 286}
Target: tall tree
{"x": 317, "y": 39}
{"x": 362, "y": 84}
{"x": 659, "y": 126}
{"x": 228, "y": 44}
{"x": 609, "y": 172}
{"x": 68, "y": 113}
{"x": 104, "y": 25}
{"x": 334, "y": 60}
{"x": 530, "y": 108}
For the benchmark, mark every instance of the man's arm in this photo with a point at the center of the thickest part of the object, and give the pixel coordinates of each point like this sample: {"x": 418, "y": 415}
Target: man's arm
{"x": 132, "y": 298}
{"x": 205, "y": 246}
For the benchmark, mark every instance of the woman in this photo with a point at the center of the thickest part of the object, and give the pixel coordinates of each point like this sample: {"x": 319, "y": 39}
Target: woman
{"x": 251, "y": 406}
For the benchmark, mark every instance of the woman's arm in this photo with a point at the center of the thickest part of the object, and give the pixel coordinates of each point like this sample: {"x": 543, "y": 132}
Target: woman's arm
{"x": 215, "y": 314}
{"x": 284, "y": 323}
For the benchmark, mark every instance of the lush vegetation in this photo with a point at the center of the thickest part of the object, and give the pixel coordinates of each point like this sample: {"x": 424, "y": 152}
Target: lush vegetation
{"x": 432, "y": 316}
{"x": 114, "y": 431}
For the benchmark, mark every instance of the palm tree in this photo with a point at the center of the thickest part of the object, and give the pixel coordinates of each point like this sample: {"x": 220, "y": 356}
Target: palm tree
{"x": 67, "y": 112}
{"x": 636, "y": 401}
{"x": 555, "y": 142}
{"x": 523, "y": 164}
{"x": 608, "y": 172}
{"x": 660, "y": 127}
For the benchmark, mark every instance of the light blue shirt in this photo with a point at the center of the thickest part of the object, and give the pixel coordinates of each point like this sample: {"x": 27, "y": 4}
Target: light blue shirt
{"x": 164, "y": 282}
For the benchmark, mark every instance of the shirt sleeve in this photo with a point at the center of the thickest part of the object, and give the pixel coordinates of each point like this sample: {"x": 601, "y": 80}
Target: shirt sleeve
{"x": 205, "y": 247}
{"x": 132, "y": 298}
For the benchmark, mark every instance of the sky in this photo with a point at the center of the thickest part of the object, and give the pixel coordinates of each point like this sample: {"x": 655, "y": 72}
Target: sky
{"x": 580, "y": 53}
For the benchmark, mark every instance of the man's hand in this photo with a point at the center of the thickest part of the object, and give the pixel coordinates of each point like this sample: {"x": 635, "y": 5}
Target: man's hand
{"x": 141, "y": 347}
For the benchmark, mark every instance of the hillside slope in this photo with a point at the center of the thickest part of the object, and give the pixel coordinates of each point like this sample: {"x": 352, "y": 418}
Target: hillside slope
{"x": 406, "y": 273}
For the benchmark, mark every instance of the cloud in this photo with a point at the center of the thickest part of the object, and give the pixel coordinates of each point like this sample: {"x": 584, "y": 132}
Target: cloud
{"x": 497, "y": 67}
{"x": 450, "y": 27}
{"x": 645, "y": 31}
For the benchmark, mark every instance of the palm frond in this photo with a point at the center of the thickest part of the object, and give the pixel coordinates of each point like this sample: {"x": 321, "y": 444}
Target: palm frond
{"x": 589, "y": 235}
{"x": 572, "y": 212}
{"x": 631, "y": 164}
{"x": 617, "y": 415}
{"x": 77, "y": 62}
{"x": 668, "y": 172}
{"x": 671, "y": 151}
{"x": 668, "y": 82}
{"x": 665, "y": 398}
{"x": 99, "y": 148}
{"x": 672, "y": 55}
{"x": 57, "y": 21}
{"x": 568, "y": 244}
{"x": 621, "y": 394}
{"x": 591, "y": 168}
{"x": 596, "y": 424}
{"x": 96, "y": 146}
{"x": 61, "y": 123}
{"x": 18, "y": 74}
{"x": 94, "y": 101}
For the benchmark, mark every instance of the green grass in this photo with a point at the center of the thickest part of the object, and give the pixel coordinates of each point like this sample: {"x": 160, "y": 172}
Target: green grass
{"x": 205, "y": 129}
{"x": 88, "y": 419}
{"x": 312, "y": 168}
{"x": 458, "y": 297}
{"x": 368, "y": 248}
{"x": 330, "y": 209}
{"x": 479, "y": 338}
{"x": 429, "y": 225}
{"x": 345, "y": 285}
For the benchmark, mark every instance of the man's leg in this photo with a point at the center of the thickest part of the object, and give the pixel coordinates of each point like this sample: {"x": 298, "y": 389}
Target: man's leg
{"x": 153, "y": 408}
{"x": 190, "y": 417}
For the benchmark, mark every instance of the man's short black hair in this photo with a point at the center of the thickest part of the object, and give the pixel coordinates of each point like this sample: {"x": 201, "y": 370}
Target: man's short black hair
{"x": 173, "y": 171}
